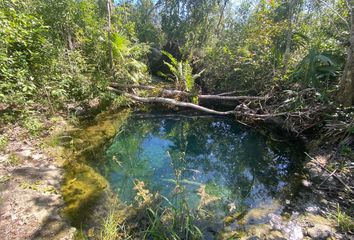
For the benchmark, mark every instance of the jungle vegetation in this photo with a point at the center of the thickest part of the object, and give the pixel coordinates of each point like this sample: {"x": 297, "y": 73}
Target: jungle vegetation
{"x": 57, "y": 52}
{"x": 292, "y": 59}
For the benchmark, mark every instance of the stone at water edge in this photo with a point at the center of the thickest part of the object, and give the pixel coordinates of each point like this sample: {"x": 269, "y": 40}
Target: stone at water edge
{"x": 290, "y": 229}
{"x": 320, "y": 231}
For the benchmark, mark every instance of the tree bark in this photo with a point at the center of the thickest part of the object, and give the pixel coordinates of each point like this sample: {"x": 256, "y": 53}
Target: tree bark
{"x": 222, "y": 12}
{"x": 110, "y": 51}
{"x": 172, "y": 102}
{"x": 174, "y": 93}
{"x": 70, "y": 41}
{"x": 288, "y": 37}
{"x": 346, "y": 84}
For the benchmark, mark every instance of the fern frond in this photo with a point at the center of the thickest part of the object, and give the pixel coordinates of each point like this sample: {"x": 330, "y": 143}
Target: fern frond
{"x": 171, "y": 57}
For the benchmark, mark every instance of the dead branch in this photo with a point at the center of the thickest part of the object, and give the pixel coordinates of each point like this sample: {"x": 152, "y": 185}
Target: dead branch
{"x": 331, "y": 173}
{"x": 231, "y": 93}
{"x": 173, "y": 92}
{"x": 172, "y": 102}
{"x": 231, "y": 98}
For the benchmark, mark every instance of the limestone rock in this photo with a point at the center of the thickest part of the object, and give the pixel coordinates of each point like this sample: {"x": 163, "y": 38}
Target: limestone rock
{"x": 320, "y": 231}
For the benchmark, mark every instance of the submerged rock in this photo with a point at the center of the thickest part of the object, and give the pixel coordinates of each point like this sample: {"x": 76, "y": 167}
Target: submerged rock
{"x": 316, "y": 226}
{"x": 320, "y": 231}
{"x": 291, "y": 230}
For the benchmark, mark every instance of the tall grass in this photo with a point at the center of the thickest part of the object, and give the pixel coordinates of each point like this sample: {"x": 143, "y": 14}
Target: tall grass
{"x": 173, "y": 218}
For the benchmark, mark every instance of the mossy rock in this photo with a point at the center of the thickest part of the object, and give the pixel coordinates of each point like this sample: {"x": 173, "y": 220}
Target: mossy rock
{"x": 81, "y": 189}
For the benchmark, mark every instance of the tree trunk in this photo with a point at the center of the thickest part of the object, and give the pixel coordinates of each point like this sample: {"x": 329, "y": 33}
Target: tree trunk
{"x": 222, "y": 12}
{"x": 288, "y": 37}
{"x": 110, "y": 51}
{"x": 70, "y": 41}
{"x": 173, "y": 102}
{"x": 169, "y": 101}
{"x": 346, "y": 93}
{"x": 175, "y": 93}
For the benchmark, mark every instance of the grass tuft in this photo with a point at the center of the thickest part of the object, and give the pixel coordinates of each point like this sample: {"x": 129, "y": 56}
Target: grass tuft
{"x": 344, "y": 221}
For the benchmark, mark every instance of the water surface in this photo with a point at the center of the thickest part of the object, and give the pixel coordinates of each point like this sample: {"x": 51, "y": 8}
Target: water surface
{"x": 216, "y": 161}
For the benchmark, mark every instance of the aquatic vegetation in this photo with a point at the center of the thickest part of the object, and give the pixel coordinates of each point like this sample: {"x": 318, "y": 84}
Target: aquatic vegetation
{"x": 83, "y": 185}
{"x": 109, "y": 228}
{"x": 81, "y": 189}
{"x": 183, "y": 174}
{"x": 143, "y": 196}
{"x": 171, "y": 178}
{"x": 174, "y": 221}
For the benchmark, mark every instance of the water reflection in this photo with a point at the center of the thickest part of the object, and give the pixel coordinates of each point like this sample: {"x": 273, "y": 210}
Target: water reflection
{"x": 234, "y": 166}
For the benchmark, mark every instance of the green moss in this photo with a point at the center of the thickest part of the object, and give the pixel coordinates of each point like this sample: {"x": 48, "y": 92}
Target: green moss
{"x": 83, "y": 185}
{"x": 230, "y": 235}
{"x": 5, "y": 178}
{"x": 81, "y": 189}
{"x": 39, "y": 187}
{"x": 98, "y": 132}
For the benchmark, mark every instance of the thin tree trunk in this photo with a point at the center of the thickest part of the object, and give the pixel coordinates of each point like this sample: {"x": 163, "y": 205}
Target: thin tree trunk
{"x": 222, "y": 12}
{"x": 288, "y": 37}
{"x": 110, "y": 51}
{"x": 70, "y": 41}
{"x": 346, "y": 93}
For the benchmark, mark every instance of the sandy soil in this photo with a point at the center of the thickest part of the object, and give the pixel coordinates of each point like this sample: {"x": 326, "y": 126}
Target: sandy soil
{"x": 30, "y": 202}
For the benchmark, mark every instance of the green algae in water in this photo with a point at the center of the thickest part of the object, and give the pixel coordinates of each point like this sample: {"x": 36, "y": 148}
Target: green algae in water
{"x": 237, "y": 168}
{"x": 83, "y": 185}
{"x": 81, "y": 189}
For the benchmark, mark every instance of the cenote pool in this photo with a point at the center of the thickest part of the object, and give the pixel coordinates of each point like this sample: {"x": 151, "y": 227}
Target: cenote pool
{"x": 216, "y": 165}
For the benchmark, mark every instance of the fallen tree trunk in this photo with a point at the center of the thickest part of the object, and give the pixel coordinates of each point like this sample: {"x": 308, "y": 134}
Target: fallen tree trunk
{"x": 177, "y": 103}
{"x": 195, "y": 106}
{"x": 172, "y": 102}
{"x": 173, "y": 93}
{"x": 249, "y": 108}
{"x": 231, "y": 98}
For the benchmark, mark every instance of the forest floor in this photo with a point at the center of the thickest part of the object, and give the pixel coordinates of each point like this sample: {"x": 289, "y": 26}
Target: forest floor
{"x": 30, "y": 199}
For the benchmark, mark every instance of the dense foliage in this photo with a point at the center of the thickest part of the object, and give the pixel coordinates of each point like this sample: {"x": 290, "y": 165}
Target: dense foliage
{"x": 55, "y": 52}
{"x": 294, "y": 56}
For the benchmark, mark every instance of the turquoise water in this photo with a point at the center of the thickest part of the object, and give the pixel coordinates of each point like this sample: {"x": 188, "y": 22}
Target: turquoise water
{"x": 234, "y": 166}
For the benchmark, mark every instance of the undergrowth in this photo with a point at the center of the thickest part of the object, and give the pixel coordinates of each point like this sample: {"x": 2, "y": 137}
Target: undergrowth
{"x": 344, "y": 222}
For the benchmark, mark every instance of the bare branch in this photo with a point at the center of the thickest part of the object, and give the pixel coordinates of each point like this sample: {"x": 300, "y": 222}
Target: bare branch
{"x": 172, "y": 92}
{"x": 172, "y": 102}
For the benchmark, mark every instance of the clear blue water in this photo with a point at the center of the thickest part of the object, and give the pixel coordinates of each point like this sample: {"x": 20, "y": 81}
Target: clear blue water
{"x": 233, "y": 164}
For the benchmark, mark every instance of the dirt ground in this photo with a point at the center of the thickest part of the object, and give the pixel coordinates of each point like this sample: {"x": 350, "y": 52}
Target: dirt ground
{"x": 30, "y": 200}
